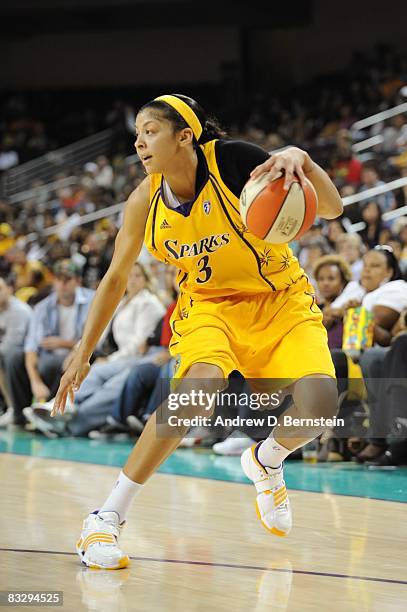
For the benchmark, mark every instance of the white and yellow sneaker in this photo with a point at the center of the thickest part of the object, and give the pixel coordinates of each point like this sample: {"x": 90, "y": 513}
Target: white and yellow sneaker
{"x": 98, "y": 545}
{"x": 272, "y": 503}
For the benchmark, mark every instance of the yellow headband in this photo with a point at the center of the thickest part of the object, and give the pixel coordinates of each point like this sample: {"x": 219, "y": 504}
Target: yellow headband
{"x": 185, "y": 111}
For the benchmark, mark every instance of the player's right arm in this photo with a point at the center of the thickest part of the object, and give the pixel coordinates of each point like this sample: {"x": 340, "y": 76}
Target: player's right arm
{"x": 111, "y": 289}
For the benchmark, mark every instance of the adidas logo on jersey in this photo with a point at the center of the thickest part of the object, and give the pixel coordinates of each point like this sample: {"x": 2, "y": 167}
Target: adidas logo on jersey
{"x": 165, "y": 225}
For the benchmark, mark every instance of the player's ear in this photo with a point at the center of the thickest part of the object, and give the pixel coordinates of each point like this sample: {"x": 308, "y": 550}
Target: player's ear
{"x": 186, "y": 136}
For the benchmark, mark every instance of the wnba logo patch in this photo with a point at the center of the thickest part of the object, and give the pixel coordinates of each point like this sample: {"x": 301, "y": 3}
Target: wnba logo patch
{"x": 207, "y": 207}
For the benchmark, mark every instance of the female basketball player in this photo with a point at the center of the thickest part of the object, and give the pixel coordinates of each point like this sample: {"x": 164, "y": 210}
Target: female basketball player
{"x": 244, "y": 304}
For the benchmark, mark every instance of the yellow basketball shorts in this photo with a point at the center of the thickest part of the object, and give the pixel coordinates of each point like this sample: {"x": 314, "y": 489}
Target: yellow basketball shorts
{"x": 277, "y": 335}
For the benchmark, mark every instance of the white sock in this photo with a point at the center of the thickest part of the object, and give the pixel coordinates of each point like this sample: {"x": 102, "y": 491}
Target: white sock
{"x": 121, "y": 497}
{"x": 271, "y": 454}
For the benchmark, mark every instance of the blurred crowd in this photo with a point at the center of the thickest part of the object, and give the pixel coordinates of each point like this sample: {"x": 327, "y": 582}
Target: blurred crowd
{"x": 52, "y": 259}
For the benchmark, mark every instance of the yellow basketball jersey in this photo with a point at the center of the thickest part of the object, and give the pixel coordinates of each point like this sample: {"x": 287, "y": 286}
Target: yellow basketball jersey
{"x": 215, "y": 253}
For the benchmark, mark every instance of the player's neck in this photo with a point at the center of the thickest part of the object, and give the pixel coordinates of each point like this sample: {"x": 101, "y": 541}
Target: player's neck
{"x": 181, "y": 177}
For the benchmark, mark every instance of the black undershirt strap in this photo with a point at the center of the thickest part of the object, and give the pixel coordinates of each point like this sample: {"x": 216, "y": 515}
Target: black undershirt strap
{"x": 236, "y": 159}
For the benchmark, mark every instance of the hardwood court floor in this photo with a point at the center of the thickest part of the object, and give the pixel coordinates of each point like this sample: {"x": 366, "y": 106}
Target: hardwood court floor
{"x": 196, "y": 544}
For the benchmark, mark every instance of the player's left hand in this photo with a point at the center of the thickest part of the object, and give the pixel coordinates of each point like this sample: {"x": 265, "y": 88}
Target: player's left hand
{"x": 291, "y": 162}
{"x": 70, "y": 382}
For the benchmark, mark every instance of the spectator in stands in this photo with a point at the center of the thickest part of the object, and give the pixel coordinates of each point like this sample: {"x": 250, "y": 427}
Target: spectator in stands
{"x": 104, "y": 176}
{"x": 24, "y": 267}
{"x": 332, "y": 274}
{"x": 134, "y": 320}
{"x": 315, "y": 248}
{"x": 147, "y": 380}
{"x": 90, "y": 171}
{"x": 7, "y": 239}
{"x": 372, "y": 216}
{"x": 15, "y": 317}
{"x": 37, "y": 288}
{"x": 346, "y": 168}
{"x": 57, "y": 249}
{"x": 352, "y": 211}
{"x": 387, "y": 302}
{"x": 390, "y": 402}
{"x": 369, "y": 180}
{"x": 350, "y": 247}
{"x": 55, "y": 327}
{"x": 95, "y": 261}
{"x": 402, "y": 234}
{"x": 394, "y": 135}
{"x": 162, "y": 279}
{"x": 385, "y": 235}
{"x": 335, "y": 228}
{"x": 395, "y": 243}
{"x": 385, "y": 298}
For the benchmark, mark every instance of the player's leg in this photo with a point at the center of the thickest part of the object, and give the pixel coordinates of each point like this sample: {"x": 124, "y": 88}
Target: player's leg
{"x": 296, "y": 352}
{"x": 98, "y": 544}
{"x": 314, "y": 397}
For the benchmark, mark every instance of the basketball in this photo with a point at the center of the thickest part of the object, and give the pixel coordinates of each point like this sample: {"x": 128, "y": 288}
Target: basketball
{"x": 276, "y": 215}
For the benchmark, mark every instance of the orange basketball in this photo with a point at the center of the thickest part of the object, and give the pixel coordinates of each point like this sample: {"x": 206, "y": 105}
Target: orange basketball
{"x": 276, "y": 215}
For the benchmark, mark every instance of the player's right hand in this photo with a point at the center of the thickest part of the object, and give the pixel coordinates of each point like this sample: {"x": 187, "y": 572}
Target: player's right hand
{"x": 70, "y": 382}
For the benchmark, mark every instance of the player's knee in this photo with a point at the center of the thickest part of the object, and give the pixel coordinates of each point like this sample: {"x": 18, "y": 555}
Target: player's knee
{"x": 206, "y": 372}
{"x": 203, "y": 382}
{"x": 317, "y": 397}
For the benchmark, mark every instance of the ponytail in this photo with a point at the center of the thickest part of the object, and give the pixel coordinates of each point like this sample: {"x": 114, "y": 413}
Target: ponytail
{"x": 211, "y": 131}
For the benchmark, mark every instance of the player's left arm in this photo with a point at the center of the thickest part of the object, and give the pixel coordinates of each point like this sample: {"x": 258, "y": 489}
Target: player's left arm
{"x": 296, "y": 162}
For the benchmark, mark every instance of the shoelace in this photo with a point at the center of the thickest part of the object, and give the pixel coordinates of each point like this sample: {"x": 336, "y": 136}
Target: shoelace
{"x": 113, "y": 528}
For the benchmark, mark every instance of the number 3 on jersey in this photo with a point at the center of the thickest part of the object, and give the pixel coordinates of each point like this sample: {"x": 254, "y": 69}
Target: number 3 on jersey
{"x": 205, "y": 271}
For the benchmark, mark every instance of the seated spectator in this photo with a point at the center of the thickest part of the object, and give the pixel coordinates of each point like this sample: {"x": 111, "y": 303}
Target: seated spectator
{"x": 403, "y": 238}
{"x": 332, "y": 274}
{"x": 36, "y": 290}
{"x": 395, "y": 243}
{"x": 393, "y": 133}
{"x": 56, "y": 326}
{"x": 144, "y": 379}
{"x": 372, "y": 216}
{"x": 385, "y": 236}
{"x": 350, "y": 247}
{"x": 104, "y": 175}
{"x": 385, "y": 298}
{"x": 15, "y": 318}
{"x": 388, "y": 402}
{"x": 7, "y": 239}
{"x": 334, "y": 230}
{"x": 352, "y": 211}
{"x": 90, "y": 171}
{"x": 95, "y": 261}
{"x": 390, "y": 424}
{"x": 124, "y": 410}
{"x": 314, "y": 249}
{"x": 346, "y": 168}
{"x": 369, "y": 180}
{"x": 387, "y": 303}
{"x": 24, "y": 267}
{"x": 134, "y": 320}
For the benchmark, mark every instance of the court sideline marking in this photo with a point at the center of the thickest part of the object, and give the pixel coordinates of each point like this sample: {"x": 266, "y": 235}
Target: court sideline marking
{"x": 225, "y": 565}
{"x": 209, "y": 478}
